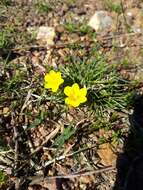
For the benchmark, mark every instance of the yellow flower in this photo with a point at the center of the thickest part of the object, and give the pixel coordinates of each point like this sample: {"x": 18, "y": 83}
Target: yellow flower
{"x": 76, "y": 96}
{"x": 53, "y": 80}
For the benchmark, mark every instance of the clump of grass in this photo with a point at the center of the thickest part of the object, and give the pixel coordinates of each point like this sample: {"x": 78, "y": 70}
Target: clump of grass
{"x": 13, "y": 81}
{"x": 113, "y": 6}
{"x": 12, "y": 36}
{"x": 71, "y": 27}
{"x": 16, "y": 79}
{"x": 43, "y": 6}
{"x": 106, "y": 89}
{"x": 5, "y": 2}
{"x": 5, "y": 41}
{"x": 3, "y": 178}
{"x": 77, "y": 28}
{"x": 70, "y": 2}
{"x": 7, "y": 36}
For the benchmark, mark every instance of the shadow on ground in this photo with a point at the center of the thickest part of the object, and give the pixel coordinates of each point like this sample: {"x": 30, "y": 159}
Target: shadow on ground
{"x": 130, "y": 162}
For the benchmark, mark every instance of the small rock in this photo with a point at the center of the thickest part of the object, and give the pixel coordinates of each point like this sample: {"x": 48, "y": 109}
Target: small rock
{"x": 129, "y": 14}
{"x": 59, "y": 29}
{"x": 74, "y": 38}
{"x": 46, "y": 35}
{"x": 100, "y": 21}
{"x": 5, "y": 110}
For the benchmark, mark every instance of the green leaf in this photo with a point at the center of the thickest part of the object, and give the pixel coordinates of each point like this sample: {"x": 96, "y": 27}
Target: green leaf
{"x": 67, "y": 133}
{"x": 40, "y": 118}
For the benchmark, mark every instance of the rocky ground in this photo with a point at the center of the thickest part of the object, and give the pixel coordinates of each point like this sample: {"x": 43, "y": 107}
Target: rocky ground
{"x": 60, "y": 149}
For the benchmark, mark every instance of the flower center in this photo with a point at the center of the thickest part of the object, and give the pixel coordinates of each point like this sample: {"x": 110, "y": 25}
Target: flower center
{"x": 54, "y": 82}
{"x": 74, "y": 97}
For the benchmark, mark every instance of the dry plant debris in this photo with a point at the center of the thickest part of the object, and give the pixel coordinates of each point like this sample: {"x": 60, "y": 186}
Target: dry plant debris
{"x": 44, "y": 143}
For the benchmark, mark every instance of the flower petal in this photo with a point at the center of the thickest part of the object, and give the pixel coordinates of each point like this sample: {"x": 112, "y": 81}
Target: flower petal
{"x": 52, "y": 72}
{"x": 67, "y": 100}
{"x": 83, "y": 92}
{"x": 75, "y": 104}
{"x": 67, "y": 90}
{"x": 55, "y": 88}
{"x": 58, "y": 74}
{"x": 47, "y": 77}
{"x": 46, "y": 85}
{"x": 61, "y": 81}
{"x": 71, "y": 102}
{"x": 53, "y": 80}
{"x": 75, "y": 88}
{"x": 82, "y": 99}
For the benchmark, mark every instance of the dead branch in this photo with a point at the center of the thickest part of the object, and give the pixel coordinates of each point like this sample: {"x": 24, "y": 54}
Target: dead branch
{"x": 39, "y": 179}
{"x": 68, "y": 155}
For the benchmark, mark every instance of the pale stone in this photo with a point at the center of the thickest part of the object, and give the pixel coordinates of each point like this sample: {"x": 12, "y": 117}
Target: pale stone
{"x": 129, "y": 14}
{"x": 5, "y": 110}
{"x": 46, "y": 35}
{"x": 100, "y": 21}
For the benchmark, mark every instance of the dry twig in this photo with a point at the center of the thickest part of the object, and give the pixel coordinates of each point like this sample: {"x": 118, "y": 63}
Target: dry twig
{"x": 39, "y": 179}
{"x": 67, "y": 155}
